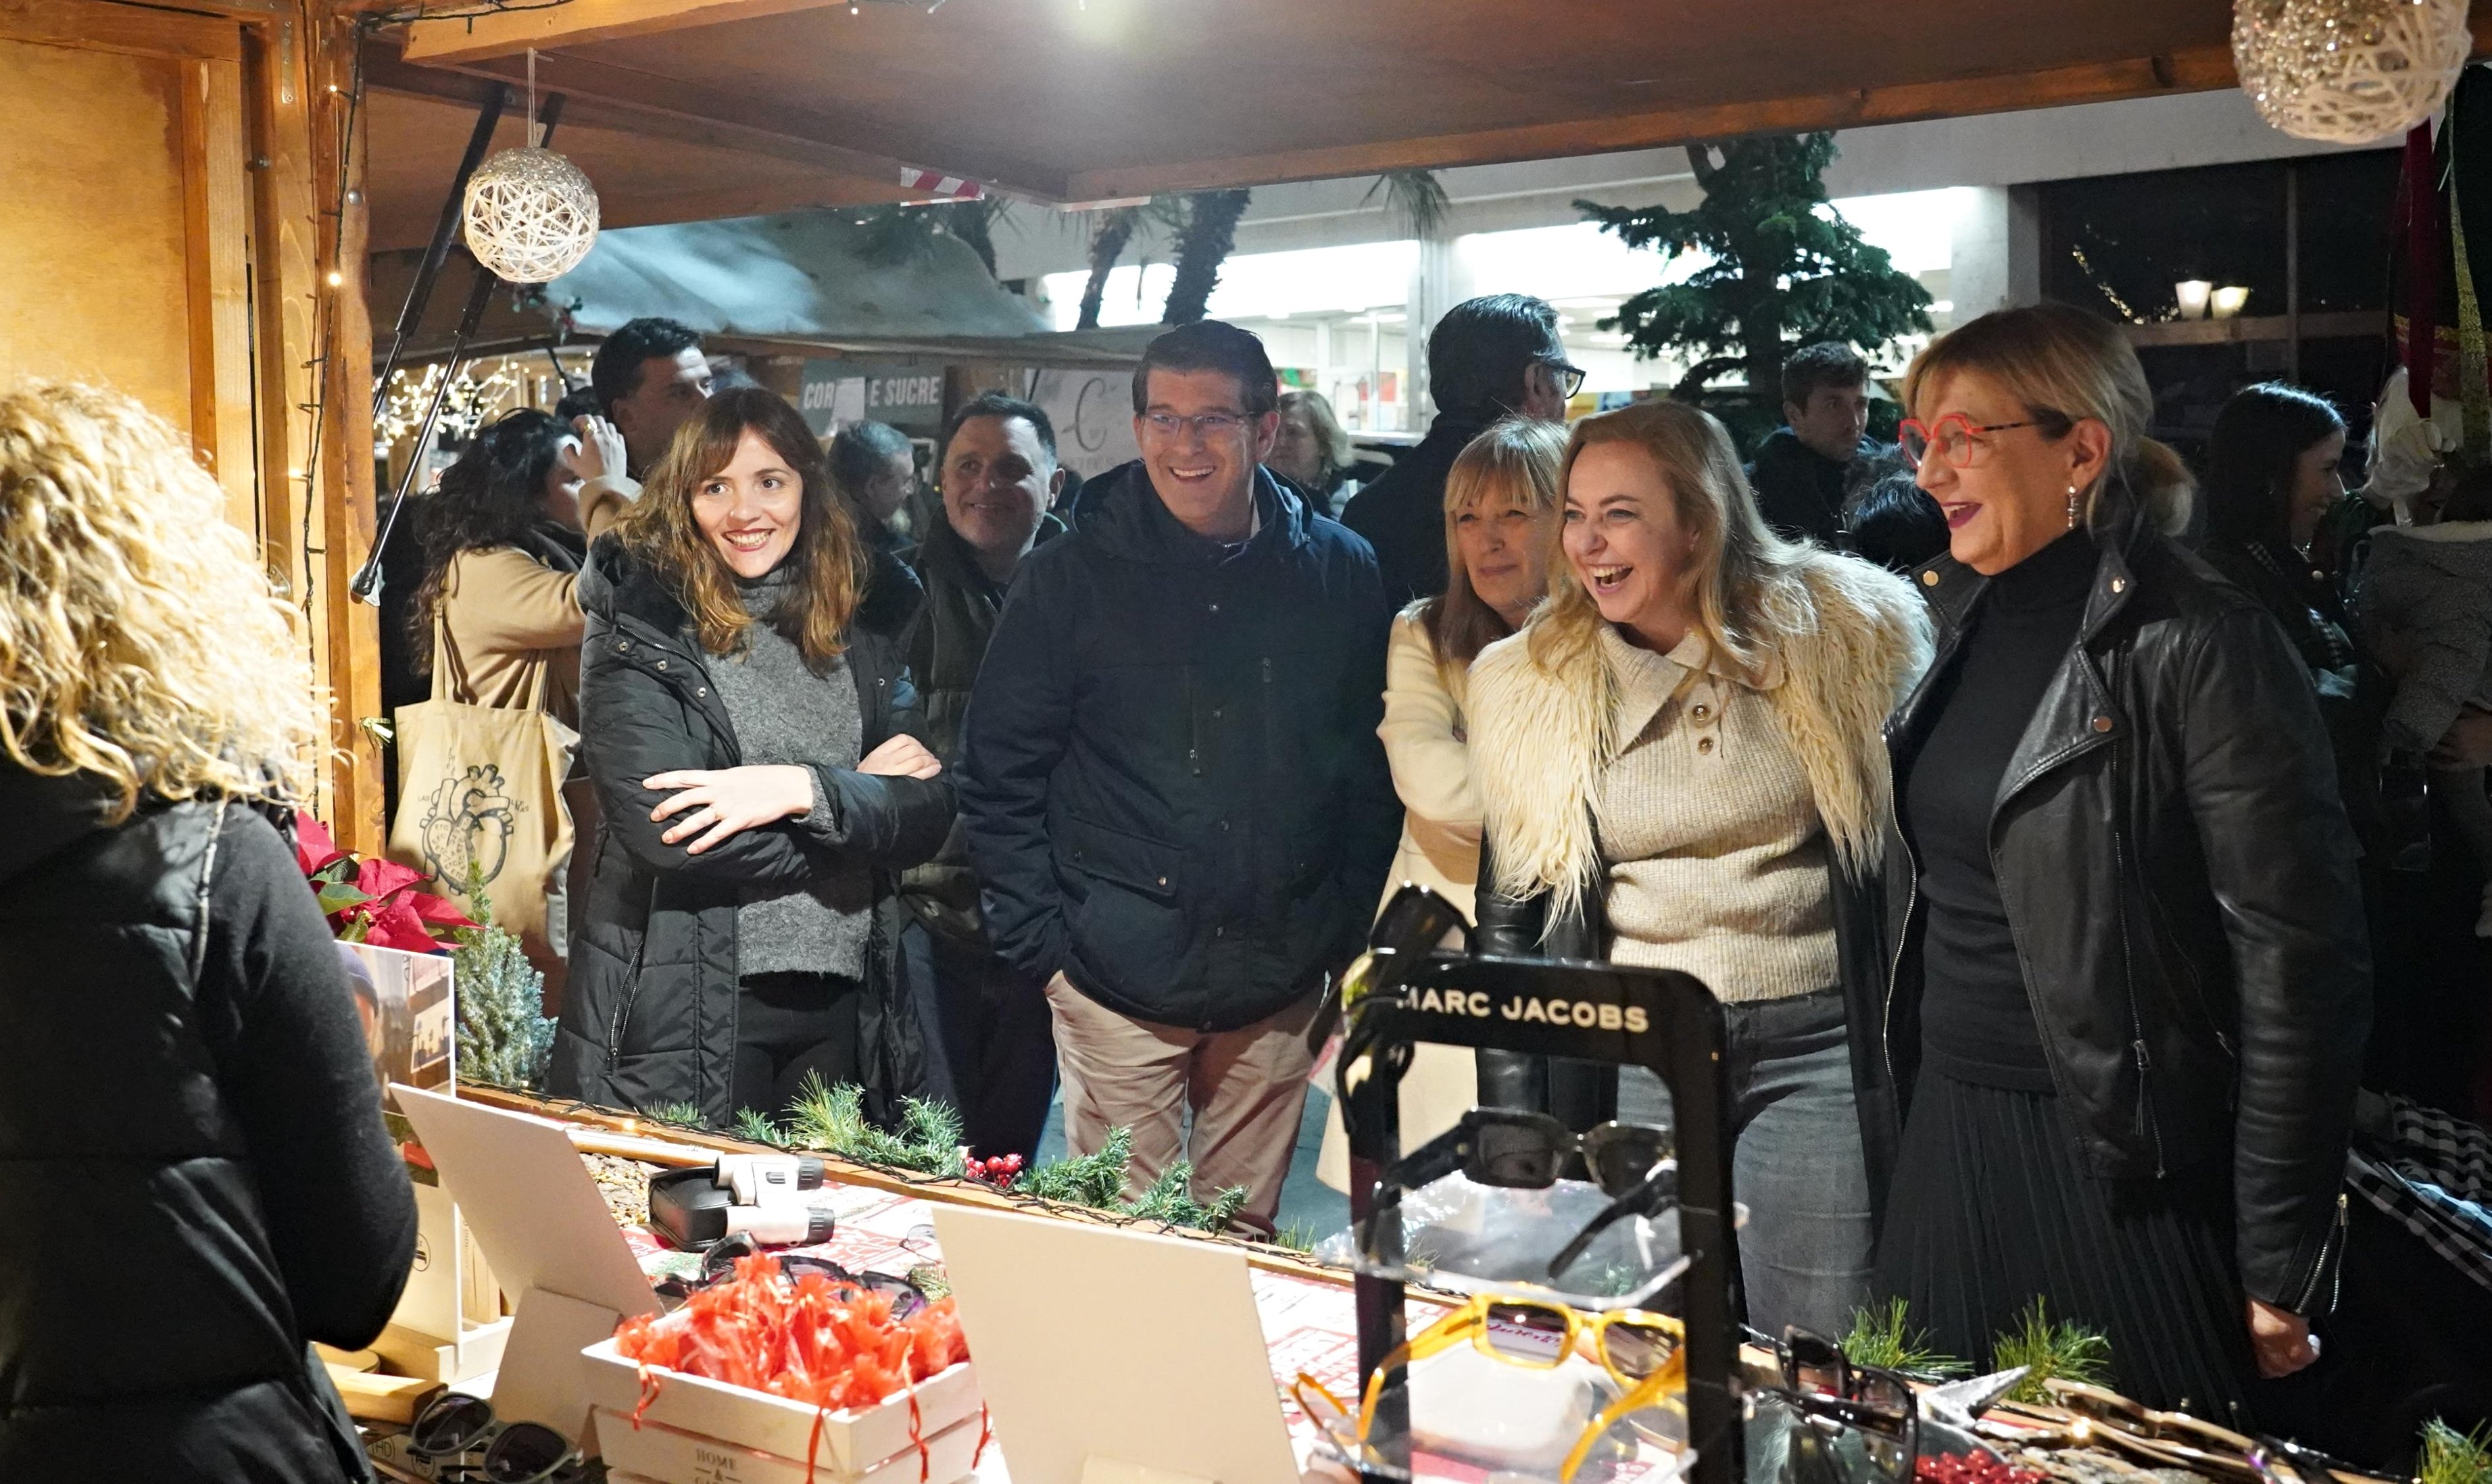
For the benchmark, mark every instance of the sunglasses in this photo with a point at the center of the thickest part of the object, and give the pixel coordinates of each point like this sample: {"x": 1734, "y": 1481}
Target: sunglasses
{"x": 1808, "y": 1438}
{"x": 1514, "y": 1150}
{"x": 1643, "y": 1353}
{"x": 2165, "y": 1438}
{"x": 1811, "y": 1364}
{"x": 454, "y": 1427}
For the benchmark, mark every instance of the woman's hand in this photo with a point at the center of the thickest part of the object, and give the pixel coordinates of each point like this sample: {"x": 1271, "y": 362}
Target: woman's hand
{"x": 716, "y": 805}
{"x": 902, "y": 755}
{"x": 2281, "y": 1339}
{"x": 599, "y": 451}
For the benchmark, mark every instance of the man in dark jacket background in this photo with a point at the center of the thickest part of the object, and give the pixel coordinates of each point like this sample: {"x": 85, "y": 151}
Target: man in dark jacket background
{"x": 1808, "y": 472}
{"x": 989, "y": 1047}
{"x": 1172, "y": 783}
{"x": 1487, "y": 358}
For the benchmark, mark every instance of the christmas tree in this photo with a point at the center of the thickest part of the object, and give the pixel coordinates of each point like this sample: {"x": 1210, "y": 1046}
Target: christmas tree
{"x": 504, "y": 1039}
{"x": 1783, "y": 268}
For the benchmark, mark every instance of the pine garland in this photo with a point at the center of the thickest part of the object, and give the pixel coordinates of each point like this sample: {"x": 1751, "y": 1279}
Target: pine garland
{"x": 504, "y": 1040}
{"x": 2062, "y": 1351}
{"x": 1883, "y": 1336}
{"x": 928, "y": 1141}
{"x": 2452, "y": 1457}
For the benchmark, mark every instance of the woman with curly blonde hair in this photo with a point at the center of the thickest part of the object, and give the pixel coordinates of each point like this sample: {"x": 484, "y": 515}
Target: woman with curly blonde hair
{"x": 183, "y": 1076}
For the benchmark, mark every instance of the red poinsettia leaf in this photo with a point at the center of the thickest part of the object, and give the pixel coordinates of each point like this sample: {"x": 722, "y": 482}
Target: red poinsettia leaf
{"x": 383, "y": 877}
{"x": 395, "y": 925}
{"x": 313, "y": 846}
{"x": 438, "y": 913}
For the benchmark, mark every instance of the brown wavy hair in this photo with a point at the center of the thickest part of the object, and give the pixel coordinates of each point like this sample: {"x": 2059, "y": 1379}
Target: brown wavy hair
{"x": 829, "y": 559}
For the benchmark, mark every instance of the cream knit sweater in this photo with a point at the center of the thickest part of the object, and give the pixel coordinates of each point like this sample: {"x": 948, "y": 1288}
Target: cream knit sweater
{"x": 1715, "y": 852}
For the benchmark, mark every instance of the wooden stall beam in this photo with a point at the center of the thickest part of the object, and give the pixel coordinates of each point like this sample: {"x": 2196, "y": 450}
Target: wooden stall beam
{"x": 610, "y": 97}
{"x": 2184, "y": 71}
{"x": 345, "y": 488}
{"x": 511, "y": 33}
{"x": 120, "y": 28}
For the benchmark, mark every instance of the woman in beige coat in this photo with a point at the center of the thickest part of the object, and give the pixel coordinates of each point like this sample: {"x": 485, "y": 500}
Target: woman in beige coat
{"x": 1501, "y": 506}
{"x": 503, "y": 537}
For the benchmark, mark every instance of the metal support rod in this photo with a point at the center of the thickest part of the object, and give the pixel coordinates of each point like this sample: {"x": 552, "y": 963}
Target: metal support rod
{"x": 2293, "y": 270}
{"x": 419, "y": 295}
{"x": 366, "y": 587}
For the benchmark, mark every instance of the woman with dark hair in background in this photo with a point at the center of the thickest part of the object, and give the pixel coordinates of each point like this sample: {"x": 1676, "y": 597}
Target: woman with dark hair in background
{"x": 2273, "y": 467}
{"x": 499, "y": 608}
{"x": 747, "y": 717}
{"x": 2130, "y": 984}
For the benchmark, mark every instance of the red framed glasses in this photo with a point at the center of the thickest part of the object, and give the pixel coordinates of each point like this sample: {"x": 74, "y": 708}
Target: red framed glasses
{"x": 1957, "y": 440}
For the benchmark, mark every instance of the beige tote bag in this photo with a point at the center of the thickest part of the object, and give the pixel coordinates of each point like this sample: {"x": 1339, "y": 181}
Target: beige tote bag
{"x": 480, "y": 804}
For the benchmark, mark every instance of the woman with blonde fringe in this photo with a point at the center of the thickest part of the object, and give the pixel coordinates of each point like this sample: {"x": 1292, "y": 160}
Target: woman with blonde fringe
{"x": 1679, "y": 766}
{"x": 184, "y": 1082}
{"x": 1500, "y": 532}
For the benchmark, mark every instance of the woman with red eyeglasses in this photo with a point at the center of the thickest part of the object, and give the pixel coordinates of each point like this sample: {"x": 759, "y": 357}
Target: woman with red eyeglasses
{"x": 2131, "y": 983}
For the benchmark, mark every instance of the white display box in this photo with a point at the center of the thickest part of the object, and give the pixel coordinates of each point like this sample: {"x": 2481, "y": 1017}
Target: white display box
{"x": 671, "y": 1456}
{"x": 852, "y": 1443}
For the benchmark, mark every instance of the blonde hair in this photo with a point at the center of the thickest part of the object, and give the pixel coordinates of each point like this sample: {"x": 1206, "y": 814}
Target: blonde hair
{"x": 1744, "y": 586}
{"x": 1515, "y": 461}
{"x": 2065, "y": 366}
{"x": 140, "y": 641}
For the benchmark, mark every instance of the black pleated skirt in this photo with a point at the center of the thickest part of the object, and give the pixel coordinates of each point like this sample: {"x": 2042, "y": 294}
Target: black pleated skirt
{"x": 1991, "y": 1205}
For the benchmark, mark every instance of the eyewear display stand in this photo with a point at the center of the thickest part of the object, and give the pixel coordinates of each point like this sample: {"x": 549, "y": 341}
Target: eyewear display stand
{"x": 1668, "y": 1022}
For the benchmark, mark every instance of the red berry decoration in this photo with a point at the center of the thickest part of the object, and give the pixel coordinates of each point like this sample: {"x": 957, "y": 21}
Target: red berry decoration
{"x": 1970, "y": 1468}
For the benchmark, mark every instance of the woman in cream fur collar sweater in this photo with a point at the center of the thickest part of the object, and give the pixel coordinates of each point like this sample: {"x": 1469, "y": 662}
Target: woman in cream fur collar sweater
{"x": 1681, "y": 766}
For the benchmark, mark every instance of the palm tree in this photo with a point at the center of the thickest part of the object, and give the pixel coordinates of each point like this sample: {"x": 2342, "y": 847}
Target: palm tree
{"x": 1117, "y": 226}
{"x": 1202, "y": 245}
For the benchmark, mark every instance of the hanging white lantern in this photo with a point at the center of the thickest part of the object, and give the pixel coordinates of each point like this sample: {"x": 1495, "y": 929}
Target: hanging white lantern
{"x": 531, "y": 215}
{"x": 2349, "y": 72}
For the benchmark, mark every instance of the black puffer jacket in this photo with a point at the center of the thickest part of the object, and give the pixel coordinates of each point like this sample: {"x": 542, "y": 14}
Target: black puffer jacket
{"x": 1171, "y": 782}
{"x": 649, "y": 1015}
{"x": 2178, "y": 875}
{"x": 947, "y": 645}
{"x": 192, "y": 1156}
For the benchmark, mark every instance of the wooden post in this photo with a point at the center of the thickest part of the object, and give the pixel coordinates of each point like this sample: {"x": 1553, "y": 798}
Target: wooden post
{"x": 344, "y": 486}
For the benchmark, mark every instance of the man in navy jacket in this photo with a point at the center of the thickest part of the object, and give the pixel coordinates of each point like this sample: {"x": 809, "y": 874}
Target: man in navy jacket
{"x": 1172, "y": 784}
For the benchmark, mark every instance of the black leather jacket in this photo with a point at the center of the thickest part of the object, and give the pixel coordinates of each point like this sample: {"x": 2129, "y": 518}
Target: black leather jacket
{"x": 2180, "y": 877}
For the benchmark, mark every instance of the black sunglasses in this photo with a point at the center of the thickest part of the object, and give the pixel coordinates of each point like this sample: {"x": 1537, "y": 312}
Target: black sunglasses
{"x": 1517, "y": 1149}
{"x": 453, "y": 1426}
{"x": 1813, "y": 1364}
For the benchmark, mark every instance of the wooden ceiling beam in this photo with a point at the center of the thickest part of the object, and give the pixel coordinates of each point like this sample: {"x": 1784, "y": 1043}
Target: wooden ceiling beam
{"x": 511, "y": 33}
{"x": 2183, "y": 71}
{"x": 670, "y": 108}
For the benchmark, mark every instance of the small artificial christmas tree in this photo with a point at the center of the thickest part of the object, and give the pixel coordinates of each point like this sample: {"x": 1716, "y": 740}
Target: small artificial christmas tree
{"x": 1784, "y": 269}
{"x": 504, "y": 1039}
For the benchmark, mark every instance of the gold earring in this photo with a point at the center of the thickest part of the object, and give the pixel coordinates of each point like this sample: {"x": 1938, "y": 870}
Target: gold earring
{"x": 2073, "y": 507}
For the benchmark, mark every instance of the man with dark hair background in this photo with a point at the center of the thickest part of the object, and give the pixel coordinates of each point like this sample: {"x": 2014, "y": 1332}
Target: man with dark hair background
{"x": 1172, "y": 784}
{"x": 650, "y": 375}
{"x": 1488, "y": 358}
{"x": 990, "y": 1048}
{"x": 1808, "y": 471}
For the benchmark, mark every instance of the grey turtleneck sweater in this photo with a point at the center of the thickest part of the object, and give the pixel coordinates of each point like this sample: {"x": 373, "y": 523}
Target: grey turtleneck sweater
{"x": 784, "y": 713}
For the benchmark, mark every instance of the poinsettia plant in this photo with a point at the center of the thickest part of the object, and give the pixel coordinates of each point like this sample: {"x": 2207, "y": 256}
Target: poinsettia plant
{"x": 373, "y": 900}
